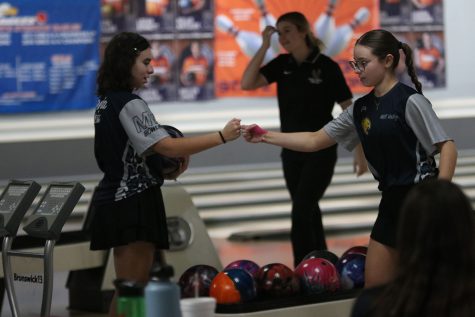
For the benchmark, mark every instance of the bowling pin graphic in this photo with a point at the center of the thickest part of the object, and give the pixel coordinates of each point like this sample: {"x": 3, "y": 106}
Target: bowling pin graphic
{"x": 343, "y": 34}
{"x": 265, "y": 20}
{"x": 249, "y": 42}
{"x": 324, "y": 27}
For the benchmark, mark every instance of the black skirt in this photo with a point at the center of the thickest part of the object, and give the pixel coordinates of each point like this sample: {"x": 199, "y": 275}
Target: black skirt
{"x": 140, "y": 217}
{"x": 386, "y": 225}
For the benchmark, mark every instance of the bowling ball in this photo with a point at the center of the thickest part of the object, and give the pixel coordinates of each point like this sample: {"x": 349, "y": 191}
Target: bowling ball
{"x": 357, "y": 249}
{"x": 250, "y": 266}
{"x": 233, "y": 286}
{"x": 317, "y": 276}
{"x": 276, "y": 280}
{"x": 351, "y": 268}
{"x": 196, "y": 280}
{"x": 322, "y": 254}
{"x": 161, "y": 166}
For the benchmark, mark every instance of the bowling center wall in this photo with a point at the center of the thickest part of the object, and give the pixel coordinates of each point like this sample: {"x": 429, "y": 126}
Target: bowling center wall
{"x": 200, "y": 48}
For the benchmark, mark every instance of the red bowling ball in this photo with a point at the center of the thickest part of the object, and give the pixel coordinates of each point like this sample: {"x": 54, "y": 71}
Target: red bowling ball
{"x": 276, "y": 280}
{"x": 317, "y": 276}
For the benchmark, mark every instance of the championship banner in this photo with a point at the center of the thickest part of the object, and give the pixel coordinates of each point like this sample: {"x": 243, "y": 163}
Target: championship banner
{"x": 50, "y": 55}
{"x": 239, "y": 23}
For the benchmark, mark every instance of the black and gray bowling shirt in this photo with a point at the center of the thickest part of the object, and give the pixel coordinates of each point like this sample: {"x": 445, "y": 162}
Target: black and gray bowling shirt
{"x": 125, "y": 130}
{"x": 398, "y": 131}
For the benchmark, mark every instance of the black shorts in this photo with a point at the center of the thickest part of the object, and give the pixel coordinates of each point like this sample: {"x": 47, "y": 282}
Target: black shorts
{"x": 385, "y": 228}
{"x": 137, "y": 218}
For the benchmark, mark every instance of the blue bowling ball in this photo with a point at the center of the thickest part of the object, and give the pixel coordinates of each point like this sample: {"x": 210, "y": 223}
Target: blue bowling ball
{"x": 233, "y": 286}
{"x": 351, "y": 268}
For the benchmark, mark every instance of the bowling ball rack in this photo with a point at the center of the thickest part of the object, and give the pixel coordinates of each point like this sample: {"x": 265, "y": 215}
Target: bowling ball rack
{"x": 285, "y": 302}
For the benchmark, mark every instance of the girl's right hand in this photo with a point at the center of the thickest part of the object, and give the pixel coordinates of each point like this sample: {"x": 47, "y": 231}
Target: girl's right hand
{"x": 266, "y": 36}
{"x": 249, "y": 134}
{"x": 232, "y": 129}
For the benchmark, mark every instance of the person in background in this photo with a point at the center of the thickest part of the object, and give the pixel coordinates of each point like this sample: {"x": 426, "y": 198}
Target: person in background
{"x": 400, "y": 134}
{"x": 129, "y": 213}
{"x": 195, "y": 67}
{"x": 436, "y": 245}
{"x": 429, "y": 60}
{"x": 309, "y": 84}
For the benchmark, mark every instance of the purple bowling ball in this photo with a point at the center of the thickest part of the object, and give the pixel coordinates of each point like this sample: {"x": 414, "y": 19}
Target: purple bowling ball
{"x": 196, "y": 280}
{"x": 247, "y": 265}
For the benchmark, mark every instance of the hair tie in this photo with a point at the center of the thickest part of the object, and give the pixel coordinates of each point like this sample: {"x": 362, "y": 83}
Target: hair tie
{"x": 400, "y": 45}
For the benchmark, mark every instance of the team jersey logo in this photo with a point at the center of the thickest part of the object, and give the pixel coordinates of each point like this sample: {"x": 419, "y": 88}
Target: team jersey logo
{"x": 315, "y": 77}
{"x": 366, "y": 125}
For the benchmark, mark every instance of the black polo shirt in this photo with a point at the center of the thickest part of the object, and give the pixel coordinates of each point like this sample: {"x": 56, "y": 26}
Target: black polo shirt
{"x": 306, "y": 92}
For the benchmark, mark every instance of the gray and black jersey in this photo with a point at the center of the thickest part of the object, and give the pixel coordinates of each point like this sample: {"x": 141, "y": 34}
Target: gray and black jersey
{"x": 399, "y": 133}
{"x": 125, "y": 130}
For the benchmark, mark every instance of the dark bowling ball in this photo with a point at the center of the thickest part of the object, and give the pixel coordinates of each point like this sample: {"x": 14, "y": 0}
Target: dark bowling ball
{"x": 161, "y": 166}
{"x": 276, "y": 280}
{"x": 317, "y": 276}
{"x": 250, "y": 266}
{"x": 233, "y": 286}
{"x": 322, "y": 254}
{"x": 351, "y": 267}
{"x": 356, "y": 249}
{"x": 196, "y": 280}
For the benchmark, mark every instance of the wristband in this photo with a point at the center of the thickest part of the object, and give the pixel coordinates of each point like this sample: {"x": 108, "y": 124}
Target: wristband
{"x": 222, "y": 137}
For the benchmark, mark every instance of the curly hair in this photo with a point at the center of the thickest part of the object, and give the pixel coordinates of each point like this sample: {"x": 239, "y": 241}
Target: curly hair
{"x": 119, "y": 57}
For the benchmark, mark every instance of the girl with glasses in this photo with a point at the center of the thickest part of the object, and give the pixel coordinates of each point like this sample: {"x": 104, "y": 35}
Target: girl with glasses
{"x": 400, "y": 134}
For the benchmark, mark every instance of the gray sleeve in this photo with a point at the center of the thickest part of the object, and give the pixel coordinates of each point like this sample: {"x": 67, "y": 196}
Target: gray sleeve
{"x": 424, "y": 122}
{"x": 140, "y": 125}
{"x": 342, "y": 129}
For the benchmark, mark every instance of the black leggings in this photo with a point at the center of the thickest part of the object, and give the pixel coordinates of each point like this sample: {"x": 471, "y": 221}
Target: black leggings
{"x": 307, "y": 176}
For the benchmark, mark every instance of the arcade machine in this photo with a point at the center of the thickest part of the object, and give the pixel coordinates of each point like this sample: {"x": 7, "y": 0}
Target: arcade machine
{"x": 45, "y": 223}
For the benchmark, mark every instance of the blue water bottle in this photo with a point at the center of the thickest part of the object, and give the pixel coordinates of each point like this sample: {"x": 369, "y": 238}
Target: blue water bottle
{"x": 162, "y": 296}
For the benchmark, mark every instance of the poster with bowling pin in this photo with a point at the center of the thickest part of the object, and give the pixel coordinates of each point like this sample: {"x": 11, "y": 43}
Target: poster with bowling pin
{"x": 239, "y": 23}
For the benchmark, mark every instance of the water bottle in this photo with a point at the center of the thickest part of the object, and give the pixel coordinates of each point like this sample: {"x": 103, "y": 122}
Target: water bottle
{"x": 130, "y": 299}
{"x": 162, "y": 296}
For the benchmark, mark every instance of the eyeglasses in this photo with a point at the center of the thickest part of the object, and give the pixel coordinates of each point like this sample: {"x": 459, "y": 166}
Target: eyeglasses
{"x": 359, "y": 66}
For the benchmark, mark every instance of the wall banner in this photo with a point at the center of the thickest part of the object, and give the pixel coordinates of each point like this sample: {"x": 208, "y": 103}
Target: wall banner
{"x": 50, "y": 55}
